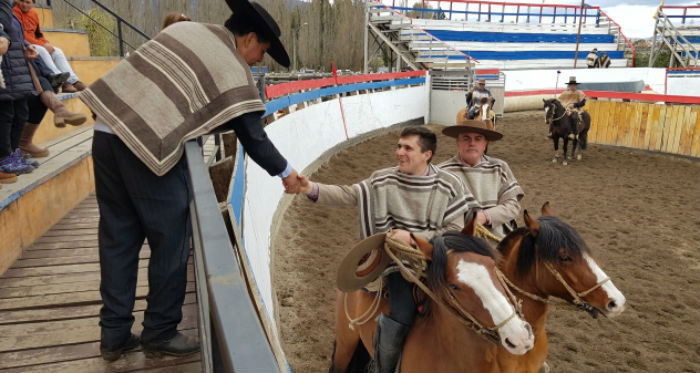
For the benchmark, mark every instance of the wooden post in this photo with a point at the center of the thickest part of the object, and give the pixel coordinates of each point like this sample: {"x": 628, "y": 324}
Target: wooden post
{"x": 578, "y": 34}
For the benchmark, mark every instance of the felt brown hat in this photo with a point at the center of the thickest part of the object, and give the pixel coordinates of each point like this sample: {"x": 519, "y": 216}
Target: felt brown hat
{"x": 364, "y": 263}
{"x": 473, "y": 125}
{"x": 265, "y": 25}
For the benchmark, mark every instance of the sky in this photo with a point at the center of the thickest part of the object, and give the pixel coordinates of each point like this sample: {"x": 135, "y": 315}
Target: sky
{"x": 635, "y": 17}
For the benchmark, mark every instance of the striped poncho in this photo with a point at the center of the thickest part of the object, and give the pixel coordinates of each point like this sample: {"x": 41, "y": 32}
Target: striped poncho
{"x": 183, "y": 83}
{"x": 494, "y": 186}
{"x": 426, "y": 205}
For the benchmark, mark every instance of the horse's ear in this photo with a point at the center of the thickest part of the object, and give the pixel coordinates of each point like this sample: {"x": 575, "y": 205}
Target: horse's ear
{"x": 545, "y": 101}
{"x": 531, "y": 224}
{"x": 424, "y": 246}
{"x": 470, "y": 226}
{"x": 546, "y": 209}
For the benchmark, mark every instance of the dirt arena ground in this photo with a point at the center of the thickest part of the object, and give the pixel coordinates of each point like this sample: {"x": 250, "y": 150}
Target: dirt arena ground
{"x": 638, "y": 212}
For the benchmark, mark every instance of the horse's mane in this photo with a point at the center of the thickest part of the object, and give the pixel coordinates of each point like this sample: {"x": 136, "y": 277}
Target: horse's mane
{"x": 553, "y": 235}
{"x": 555, "y": 101}
{"x": 459, "y": 242}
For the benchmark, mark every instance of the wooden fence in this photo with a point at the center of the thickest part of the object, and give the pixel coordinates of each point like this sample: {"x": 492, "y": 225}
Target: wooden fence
{"x": 670, "y": 128}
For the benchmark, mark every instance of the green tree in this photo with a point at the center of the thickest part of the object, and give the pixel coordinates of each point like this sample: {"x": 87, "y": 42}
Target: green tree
{"x": 102, "y": 42}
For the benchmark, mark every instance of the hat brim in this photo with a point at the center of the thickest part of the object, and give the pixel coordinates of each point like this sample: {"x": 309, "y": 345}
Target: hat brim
{"x": 363, "y": 264}
{"x": 276, "y": 50}
{"x": 454, "y": 131}
{"x": 574, "y": 82}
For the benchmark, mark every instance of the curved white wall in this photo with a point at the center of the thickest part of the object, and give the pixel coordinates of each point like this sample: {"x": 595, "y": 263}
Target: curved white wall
{"x": 302, "y": 137}
{"x": 532, "y": 80}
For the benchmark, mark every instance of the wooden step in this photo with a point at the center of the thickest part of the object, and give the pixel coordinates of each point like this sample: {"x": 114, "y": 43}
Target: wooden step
{"x": 90, "y": 69}
{"x": 73, "y": 43}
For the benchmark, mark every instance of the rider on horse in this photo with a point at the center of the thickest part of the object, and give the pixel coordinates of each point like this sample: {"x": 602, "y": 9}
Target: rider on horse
{"x": 489, "y": 178}
{"x": 414, "y": 197}
{"x": 475, "y": 95}
{"x": 573, "y": 100}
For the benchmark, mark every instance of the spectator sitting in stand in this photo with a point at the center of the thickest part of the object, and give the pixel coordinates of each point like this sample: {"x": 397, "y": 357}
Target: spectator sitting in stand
{"x": 591, "y": 58}
{"x": 604, "y": 60}
{"x": 52, "y": 56}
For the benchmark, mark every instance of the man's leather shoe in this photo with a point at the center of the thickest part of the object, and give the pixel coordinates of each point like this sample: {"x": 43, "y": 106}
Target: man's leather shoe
{"x": 57, "y": 80}
{"x": 112, "y": 355}
{"x": 180, "y": 345}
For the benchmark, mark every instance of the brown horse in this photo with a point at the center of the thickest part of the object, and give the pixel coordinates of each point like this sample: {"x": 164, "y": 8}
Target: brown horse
{"x": 548, "y": 258}
{"x": 440, "y": 340}
{"x": 462, "y": 115}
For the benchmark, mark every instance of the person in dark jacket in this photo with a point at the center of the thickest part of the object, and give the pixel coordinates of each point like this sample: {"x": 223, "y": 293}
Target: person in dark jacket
{"x": 604, "y": 60}
{"x": 141, "y": 177}
{"x": 13, "y": 98}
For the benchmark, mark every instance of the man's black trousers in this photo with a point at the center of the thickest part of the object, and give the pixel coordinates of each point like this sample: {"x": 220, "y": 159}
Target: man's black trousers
{"x": 136, "y": 204}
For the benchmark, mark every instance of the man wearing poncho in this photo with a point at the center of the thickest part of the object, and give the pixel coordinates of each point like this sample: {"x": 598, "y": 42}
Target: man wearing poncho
{"x": 489, "y": 179}
{"x": 414, "y": 197}
{"x": 191, "y": 79}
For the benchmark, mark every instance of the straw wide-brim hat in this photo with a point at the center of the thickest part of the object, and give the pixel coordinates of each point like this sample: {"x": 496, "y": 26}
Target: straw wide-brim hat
{"x": 572, "y": 80}
{"x": 472, "y": 125}
{"x": 482, "y": 81}
{"x": 265, "y": 25}
{"x": 363, "y": 264}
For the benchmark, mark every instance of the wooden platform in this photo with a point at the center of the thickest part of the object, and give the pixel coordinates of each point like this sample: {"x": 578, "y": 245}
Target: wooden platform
{"x": 50, "y": 302}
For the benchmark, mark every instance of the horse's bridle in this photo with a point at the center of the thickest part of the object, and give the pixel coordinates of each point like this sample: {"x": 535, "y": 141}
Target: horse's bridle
{"x": 577, "y": 297}
{"x": 556, "y": 119}
{"x": 578, "y": 300}
{"x": 449, "y": 302}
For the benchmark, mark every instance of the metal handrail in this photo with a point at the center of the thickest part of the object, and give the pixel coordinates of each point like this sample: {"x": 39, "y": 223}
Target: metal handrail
{"x": 119, "y": 19}
{"x": 232, "y": 336}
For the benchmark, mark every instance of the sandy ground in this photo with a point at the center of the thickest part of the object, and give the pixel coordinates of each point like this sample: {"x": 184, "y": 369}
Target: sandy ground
{"x": 637, "y": 211}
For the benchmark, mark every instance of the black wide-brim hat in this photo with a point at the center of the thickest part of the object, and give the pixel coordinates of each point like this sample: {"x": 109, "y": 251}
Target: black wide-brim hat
{"x": 268, "y": 27}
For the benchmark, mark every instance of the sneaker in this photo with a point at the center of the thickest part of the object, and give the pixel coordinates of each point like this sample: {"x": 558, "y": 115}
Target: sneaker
{"x": 11, "y": 165}
{"x": 112, "y": 355}
{"x": 17, "y": 154}
{"x": 179, "y": 345}
{"x": 28, "y": 160}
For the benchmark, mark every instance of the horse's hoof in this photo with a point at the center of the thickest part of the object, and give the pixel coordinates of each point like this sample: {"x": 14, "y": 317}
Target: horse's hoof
{"x": 564, "y": 163}
{"x": 578, "y": 157}
{"x": 554, "y": 160}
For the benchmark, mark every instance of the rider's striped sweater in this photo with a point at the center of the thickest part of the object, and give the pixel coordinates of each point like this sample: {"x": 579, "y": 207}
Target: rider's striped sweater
{"x": 494, "y": 186}
{"x": 426, "y": 205}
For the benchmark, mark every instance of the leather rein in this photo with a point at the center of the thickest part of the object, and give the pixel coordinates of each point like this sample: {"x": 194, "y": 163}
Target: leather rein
{"x": 449, "y": 301}
{"x": 558, "y": 118}
{"x": 577, "y": 297}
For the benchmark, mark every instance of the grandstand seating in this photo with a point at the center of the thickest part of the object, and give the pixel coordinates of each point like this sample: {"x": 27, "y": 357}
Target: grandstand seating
{"x": 500, "y": 38}
{"x": 678, "y": 28}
